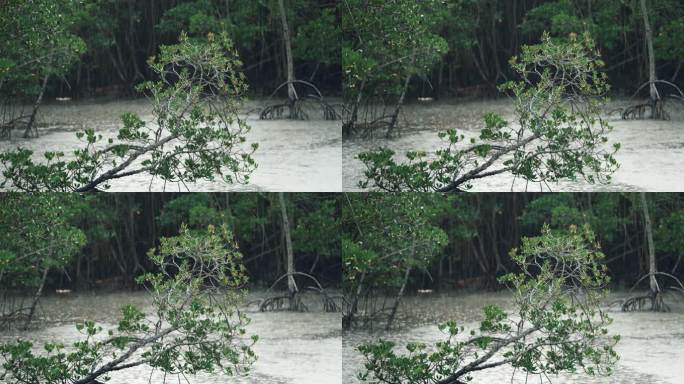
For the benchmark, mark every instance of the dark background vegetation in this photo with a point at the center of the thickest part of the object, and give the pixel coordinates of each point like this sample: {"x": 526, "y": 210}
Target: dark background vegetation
{"x": 120, "y": 228}
{"x": 494, "y": 30}
{"x": 482, "y": 228}
{"x": 121, "y": 35}
{"x": 482, "y": 35}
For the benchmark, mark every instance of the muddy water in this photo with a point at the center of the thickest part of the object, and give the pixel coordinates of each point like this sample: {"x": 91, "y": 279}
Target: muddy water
{"x": 651, "y": 348}
{"x": 292, "y": 347}
{"x": 651, "y": 157}
{"x": 292, "y": 156}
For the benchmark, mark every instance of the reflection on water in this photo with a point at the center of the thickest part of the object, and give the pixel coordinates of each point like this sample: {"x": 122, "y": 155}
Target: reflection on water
{"x": 292, "y": 347}
{"x": 651, "y": 348}
{"x": 651, "y": 157}
{"x": 293, "y": 155}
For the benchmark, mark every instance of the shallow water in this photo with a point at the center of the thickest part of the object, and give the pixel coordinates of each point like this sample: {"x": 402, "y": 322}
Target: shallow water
{"x": 293, "y": 156}
{"x": 651, "y": 348}
{"x": 651, "y": 157}
{"x": 292, "y": 347}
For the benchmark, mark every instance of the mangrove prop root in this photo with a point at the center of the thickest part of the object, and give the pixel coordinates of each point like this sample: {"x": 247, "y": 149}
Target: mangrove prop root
{"x": 329, "y": 303}
{"x": 6, "y": 128}
{"x": 276, "y": 111}
{"x": 635, "y": 112}
{"x": 296, "y": 110}
{"x": 655, "y": 299}
{"x": 284, "y": 303}
{"x": 293, "y": 301}
{"x": 638, "y": 112}
{"x": 659, "y": 113}
{"x": 366, "y": 130}
{"x": 640, "y": 303}
{"x": 296, "y": 106}
{"x": 18, "y": 316}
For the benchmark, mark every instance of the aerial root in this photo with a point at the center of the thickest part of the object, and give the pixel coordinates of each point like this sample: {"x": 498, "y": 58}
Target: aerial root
{"x": 329, "y": 303}
{"x": 277, "y": 111}
{"x": 635, "y": 112}
{"x": 658, "y": 107}
{"x": 6, "y": 131}
{"x": 20, "y": 122}
{"x": 296, "y": 110}
{"x": 655, "y": 298}
{"x": 284, "y": 303}
{"x": 639, "y": 303}
{"x": 329, "y": 112}
{"x": 293, "y": 301}
{"x": 638, "y": 112}
{"x": 366, "y": 130}
{"x": 295, "y": 106}
{"x": 15, "y": 317}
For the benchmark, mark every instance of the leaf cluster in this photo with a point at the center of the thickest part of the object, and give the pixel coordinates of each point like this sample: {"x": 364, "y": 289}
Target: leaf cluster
{"x": 195, "y": 325}
{"x": 556, "y": 323}
{"x": 558, "y": 133}
{"x": 197, "y": 133}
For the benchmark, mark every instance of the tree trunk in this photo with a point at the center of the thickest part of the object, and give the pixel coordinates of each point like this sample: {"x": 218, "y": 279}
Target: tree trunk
{"x": 651, "y": 248}
{"x": 348, "y": 127}
{"x": 291, "y": 285}
{"x": 228, "y": 11}
{"x": 400, "y": 295}
{"x": 36, "y": 298}
{"x": 348, "y": 322}
{"x": 657, "y": 303}
{"x": 36, "y": 105}
{"x": 590, "y": 10}
{"x": 651, "y": 61}
{"x": 291, "y": 93}
{"x": 495, "y": 52}
{"x": 676, "y": 73}
{"x": 130, "y": 37}
{"x": 395, "y": 115}
{"x": 500, "y": 266}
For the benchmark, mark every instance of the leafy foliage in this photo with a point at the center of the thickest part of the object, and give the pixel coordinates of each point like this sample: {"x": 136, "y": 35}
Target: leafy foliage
{"x": 560, "y": 211}
{"x": 319, "y": 37}
{"x": 563, "y": 17}
{"x": 317, "y": 229}
{"x": 316, "y": 220}
{"x": 559, "y": 133}
{"x": 197, "y": 132}
{"x": 384, "y": 237}
{"x": 557, "y": 325}
{"x": 387, "y": 41}
{"x": 668, "y": 232}
{"x": 36, "y": 234}
{"x": 316, "y": 34}
{"x": 195, "y": 327}
{"x": 388, "y": 233}
{"x": 668, "y": 40}
{"x": 37, "y": 41}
